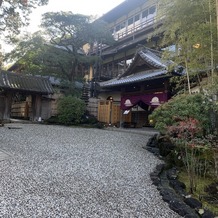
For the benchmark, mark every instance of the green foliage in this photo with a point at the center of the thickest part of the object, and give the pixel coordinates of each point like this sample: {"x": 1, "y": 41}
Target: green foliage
{"x": 70, "y": 32}
{"x": 191, "y": 27}
{"x": 52, "y": 120}
{"x": 35, "y": 55}
{"x": 203, "y": 184}
{"x": 98, "y": 32}
{"x": 66, "y": 29}
{"x": 187, "y": 25}
{"x": 192, "y": 149}
{"x": 59, "y": 50}
{"x": 14, "y": 15}
{"x": 182, "y": 107}
{"x": 70, "y": 110}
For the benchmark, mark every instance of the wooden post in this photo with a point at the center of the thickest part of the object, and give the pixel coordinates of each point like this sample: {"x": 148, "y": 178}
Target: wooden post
{"x": 121, "y": 118}
{"x": 216, "y": 161}
{"x": 8, "y": 102}
{"x": 217, "y": 18}
{"x": 36, "y": 107}
{"x": 26, "y": 110}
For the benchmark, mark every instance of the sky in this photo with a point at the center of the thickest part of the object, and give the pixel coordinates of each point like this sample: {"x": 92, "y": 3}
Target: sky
{"x": 85, "y": 7}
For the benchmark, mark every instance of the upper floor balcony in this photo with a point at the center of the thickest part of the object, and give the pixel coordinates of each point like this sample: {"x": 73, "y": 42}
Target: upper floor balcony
{"x": 130, "y": 29}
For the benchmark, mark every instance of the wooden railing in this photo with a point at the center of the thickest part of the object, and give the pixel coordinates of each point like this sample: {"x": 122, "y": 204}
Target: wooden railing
{"x": 143, "y": 25}
{"x": 146, "y": 25}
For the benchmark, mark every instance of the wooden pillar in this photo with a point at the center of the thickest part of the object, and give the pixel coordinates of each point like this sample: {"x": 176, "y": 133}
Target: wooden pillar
{"x": 166, "y": 86}
{"x": 36, "y": 107}
{"x": 121, "y": 118}
{"x": 8, "y": 102}
{"x": 112, "y": 72}
{"x": 26, "y": 110}
{"x": 125, "y": 65}
{"x": 91, "y": 73}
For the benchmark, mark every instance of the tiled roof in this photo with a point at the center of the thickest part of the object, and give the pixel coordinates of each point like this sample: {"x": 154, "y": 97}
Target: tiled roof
{"x": 138, "y": 77}
{"x": 152, "y": 58}
{"x": 20, "y": 82}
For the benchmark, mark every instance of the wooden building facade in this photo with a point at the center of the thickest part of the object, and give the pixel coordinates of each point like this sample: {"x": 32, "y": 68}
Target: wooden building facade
{"x": 130, "y": 24}
{"x": 26, "y": 97}
{"x": 139, "y": 90}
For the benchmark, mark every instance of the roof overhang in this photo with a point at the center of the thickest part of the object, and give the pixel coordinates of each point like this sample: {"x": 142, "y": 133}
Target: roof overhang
{"x": 23, "y": 83}
{"x": 134, "y": 78}
{"x": 122, "y": 9}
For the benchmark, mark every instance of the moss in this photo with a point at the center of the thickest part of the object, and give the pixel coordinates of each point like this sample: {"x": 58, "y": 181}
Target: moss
{"x": 200, "y": 193}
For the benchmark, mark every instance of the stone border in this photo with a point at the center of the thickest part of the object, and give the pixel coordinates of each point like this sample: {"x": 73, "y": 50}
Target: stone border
{"x": 172, "y": 190}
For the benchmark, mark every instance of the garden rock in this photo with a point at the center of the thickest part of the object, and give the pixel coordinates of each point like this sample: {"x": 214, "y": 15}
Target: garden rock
{"x": 173, "y": 191}
{"x": 207, "y": 214}
{"x": 193, "y": 203}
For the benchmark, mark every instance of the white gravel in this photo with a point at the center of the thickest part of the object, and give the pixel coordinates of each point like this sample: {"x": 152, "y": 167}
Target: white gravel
{"x": 56, "y": 171}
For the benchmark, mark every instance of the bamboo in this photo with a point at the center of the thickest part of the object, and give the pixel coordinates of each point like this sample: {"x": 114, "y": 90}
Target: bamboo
{"x": 217, "y": 18}
{"x": 211, "y": 45}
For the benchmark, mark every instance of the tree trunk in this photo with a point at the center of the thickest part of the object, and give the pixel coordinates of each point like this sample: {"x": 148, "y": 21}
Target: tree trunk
{"x": 216, "y": 161}
{"x": 187, "y": 75}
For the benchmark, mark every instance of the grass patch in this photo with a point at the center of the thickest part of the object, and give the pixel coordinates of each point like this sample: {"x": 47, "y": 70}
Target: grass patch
{"x": 200, "y": 192}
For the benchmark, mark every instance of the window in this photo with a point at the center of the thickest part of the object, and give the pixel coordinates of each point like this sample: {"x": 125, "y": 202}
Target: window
{"x": 145, "y": 13}
{"x": 137, "y": 17}
{"x": 117, "y": 28}
{"x": 130, "y": 21}
{"x": 122, "y": 25}
{"x": 152, "y": 9}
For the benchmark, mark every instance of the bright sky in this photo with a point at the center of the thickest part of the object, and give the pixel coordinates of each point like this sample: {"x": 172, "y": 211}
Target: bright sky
{"x": 85, "y": 7}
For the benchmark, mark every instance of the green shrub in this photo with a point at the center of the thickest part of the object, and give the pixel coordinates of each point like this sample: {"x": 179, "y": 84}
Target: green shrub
{"x": 70, "y": 110}
{"x": 181, "y": 107}
{"x": 52, "y": 120}
{"x": 88, "y": 119}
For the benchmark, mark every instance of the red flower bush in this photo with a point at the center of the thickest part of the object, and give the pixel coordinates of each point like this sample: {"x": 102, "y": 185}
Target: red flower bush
{"x": 186, "y": 129}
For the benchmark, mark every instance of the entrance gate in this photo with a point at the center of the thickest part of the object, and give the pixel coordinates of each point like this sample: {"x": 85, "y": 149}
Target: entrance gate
{"x": 108, "y": 112}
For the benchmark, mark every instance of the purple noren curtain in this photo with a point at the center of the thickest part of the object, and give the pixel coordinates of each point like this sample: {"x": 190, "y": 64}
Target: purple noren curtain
{"x": 153, "y": 100}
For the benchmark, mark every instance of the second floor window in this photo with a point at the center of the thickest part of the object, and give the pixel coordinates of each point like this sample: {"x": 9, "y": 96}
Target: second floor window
{"x": 130, "y": 21}
{"x": 145, "y": 13}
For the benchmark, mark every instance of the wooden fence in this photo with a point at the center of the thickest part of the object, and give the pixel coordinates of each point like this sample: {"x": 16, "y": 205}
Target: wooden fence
{"x": 108, "y": 112}
{"x": 21, "y": 109}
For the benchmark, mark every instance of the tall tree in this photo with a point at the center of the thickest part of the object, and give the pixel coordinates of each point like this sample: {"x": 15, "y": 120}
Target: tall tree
{"x": 191, "y": 27}
{"x": 14, "y": 14}
{"x": 71, "y": 32}
{"x": 35, "y": 55}
{"x": 58, "y": 52}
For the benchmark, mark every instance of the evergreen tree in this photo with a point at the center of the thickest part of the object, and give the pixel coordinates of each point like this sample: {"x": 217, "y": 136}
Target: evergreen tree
{"x": 14, "y": 14}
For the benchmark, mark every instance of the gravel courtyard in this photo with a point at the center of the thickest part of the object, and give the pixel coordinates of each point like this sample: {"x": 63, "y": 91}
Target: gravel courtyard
{"x": 55, "y": 171}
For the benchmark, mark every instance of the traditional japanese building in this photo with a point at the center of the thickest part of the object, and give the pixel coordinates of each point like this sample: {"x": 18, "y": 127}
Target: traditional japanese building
{"x": 132, "y": 79}
{"x": 132, "y": 96}
{"x": 130, "y": 24}
{"x": 26, "y": 97}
